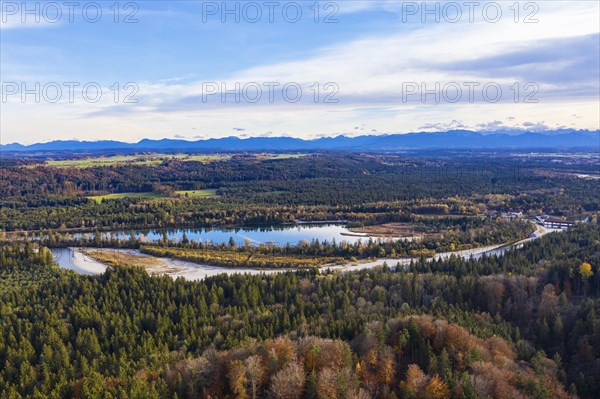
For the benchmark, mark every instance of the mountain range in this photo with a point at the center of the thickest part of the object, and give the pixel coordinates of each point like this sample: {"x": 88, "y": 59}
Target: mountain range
{"x": 453, "y": 139}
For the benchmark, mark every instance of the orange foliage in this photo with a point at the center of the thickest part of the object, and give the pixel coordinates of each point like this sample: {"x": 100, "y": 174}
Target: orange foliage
{"x": 278, "y": 352}
{"x": 436, "y": 389}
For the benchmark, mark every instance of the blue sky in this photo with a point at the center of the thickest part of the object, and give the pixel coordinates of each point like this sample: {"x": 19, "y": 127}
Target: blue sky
{"x": 374, "y": 58}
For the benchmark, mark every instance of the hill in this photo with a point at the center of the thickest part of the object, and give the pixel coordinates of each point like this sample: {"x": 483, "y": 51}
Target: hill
{"x": 454, "y": 139}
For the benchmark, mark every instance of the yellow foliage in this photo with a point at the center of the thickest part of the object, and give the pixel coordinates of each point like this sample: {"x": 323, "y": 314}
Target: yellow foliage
{"x": 358, "y": 369}
{"x": 586, "y": 270}
{"x": 436, "y": 389}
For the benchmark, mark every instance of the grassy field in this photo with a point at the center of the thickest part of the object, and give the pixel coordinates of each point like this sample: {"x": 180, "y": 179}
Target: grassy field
{"x": 152, "y": 159}
{"x": 106, "y": 161}
{"x": 280, "y": 156}
{"x": 202, "y": 158}
{"x": 197, "y": 193}
{"x": 150, "y": 195}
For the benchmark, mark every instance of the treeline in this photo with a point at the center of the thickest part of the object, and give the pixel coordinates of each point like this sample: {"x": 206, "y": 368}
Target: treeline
{"x": 315, "y": 253}
{"x": 127, "y": 334}
{"x": 306, "y": 254}
{"x": 386, "y": 361}
{"x": 360, "y": 188}
{"x": 186, "y": 175}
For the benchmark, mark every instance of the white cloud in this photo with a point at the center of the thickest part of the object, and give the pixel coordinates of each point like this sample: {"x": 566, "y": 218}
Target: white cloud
{"x": 23, "y": 15}
{"x": 370, "y": 73}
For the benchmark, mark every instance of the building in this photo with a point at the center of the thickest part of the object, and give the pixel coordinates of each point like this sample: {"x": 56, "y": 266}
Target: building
{"x": 512, "y": 215}
{"x": 555, "y": 223}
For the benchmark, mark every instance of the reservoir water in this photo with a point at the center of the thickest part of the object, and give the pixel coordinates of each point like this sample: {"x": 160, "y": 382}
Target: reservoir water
{"x": 278, "y": 234}
{"x": 75, "y": 259}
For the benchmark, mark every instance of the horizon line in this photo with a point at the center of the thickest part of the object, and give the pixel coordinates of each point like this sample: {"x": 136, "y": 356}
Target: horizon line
{"x": 341, "y": 135}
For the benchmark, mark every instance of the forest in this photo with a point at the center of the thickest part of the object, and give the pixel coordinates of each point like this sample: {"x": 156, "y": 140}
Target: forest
{"x": 521, "y": 325}
{"x": 241, "y": 199}
{"x": 251, "y": 190}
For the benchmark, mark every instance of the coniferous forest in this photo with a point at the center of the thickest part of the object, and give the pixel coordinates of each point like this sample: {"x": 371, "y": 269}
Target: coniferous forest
{"x": 522, "y": 324}
{"x": 320, "y": 199}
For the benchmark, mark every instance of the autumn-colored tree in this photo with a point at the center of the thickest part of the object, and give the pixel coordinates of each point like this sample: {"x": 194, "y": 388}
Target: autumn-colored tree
{"x": 358, "y": 394}
{"x": 326, "y": 384}
{"x": 414, "y": 382}
{"x": 278, "y": 352}
{"x": 288, "y": 383}
{"x": 311, "y": 357}
{"x": 458, "y": 344}
{"x": 585, "y": 270}
{"x": 386, "y": 366}
{"x": 332, "y": 354}
{"x": 499, "y": 348}
{"x": 255, "y": 374}
{"x": 436, "y": 389}
{"x": 493, "y": 381}
{"x": 319, "y": 353}
{"x": 237, "y": 379}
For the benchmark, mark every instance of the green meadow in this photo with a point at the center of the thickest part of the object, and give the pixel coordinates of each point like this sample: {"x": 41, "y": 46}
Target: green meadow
{"x": 117, "y": 160}
{"x": 150, "y": 195}
{"x": 152, "y": 159}
{"x": 197, "y": 193}
{"x": 146, "y": 195}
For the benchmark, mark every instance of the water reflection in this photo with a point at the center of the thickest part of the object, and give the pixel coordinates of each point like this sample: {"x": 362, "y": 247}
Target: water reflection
{"x": 276, "y": 234}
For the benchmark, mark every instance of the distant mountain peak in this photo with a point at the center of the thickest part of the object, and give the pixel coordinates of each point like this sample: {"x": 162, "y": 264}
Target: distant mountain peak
{"x": 452, "y": 139}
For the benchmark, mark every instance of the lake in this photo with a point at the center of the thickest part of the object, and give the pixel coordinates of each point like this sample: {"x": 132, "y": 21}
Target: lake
{"x": 74, "y": 259}
{"x": 278, "y": 234}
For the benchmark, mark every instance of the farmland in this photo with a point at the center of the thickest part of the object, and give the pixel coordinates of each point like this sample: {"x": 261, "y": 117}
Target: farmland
{"x": 152, "y": 159}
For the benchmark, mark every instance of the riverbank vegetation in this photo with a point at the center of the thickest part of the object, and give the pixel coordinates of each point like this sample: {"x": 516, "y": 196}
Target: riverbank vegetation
{"x": 243, "y": 258}
{"x": 522, "y": 325}
{"x": 314, "y": 254}
{"x": 305, "y": 254}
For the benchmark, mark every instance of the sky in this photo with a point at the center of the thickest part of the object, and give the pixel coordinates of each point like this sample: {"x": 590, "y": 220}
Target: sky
{"x": 128, "y": 70}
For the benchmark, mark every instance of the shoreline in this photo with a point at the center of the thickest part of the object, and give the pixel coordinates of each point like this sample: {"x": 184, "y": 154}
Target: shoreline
{"x": 193, "y": 271}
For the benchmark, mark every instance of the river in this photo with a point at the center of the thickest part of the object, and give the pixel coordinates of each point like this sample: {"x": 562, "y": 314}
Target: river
{"x": 277, "y": 234}
{"x": 76, "y": 259}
